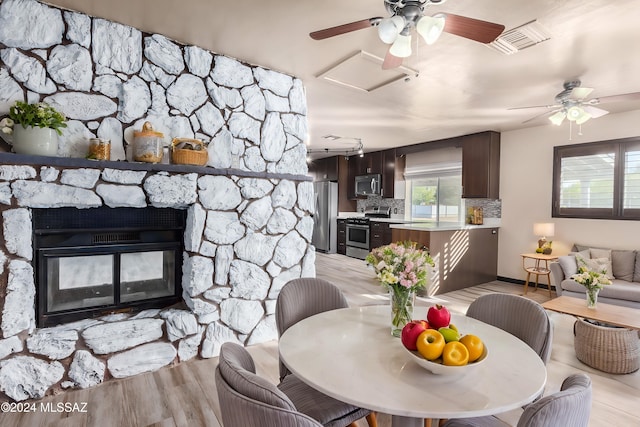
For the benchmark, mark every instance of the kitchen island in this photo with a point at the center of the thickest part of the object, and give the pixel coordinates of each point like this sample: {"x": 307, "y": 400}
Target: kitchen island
{"x": 464, "y": 255}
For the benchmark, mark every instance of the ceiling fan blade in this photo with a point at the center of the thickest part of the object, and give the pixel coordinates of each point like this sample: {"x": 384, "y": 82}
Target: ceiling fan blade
{"x": 546, "y": 113}
{"x": 535, "y": 106}
{"x": 580, "y": 92}
{"x": 391, "y": 61}
{"x": 633, "y": 96}
{"x": 473, "y": 29}
{"x": 344, "y": 28}
{"x": 594, "y": 112}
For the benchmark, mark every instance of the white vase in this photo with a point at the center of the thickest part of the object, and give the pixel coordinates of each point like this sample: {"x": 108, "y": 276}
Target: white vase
{"x": 35, "y": 141}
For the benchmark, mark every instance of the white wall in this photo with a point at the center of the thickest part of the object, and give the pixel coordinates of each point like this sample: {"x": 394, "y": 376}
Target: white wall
{"x": 526, "y": 176}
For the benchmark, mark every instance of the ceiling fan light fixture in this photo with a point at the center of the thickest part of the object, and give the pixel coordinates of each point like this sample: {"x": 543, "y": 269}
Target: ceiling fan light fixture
{"x": 582, "y": 119}
{"x": 401, "y": 48}
{"x": 389, "y": 28}
{"x": 430, "y": 27}
{"x": 558, "y": 117}
{"x": 576, "y": 113}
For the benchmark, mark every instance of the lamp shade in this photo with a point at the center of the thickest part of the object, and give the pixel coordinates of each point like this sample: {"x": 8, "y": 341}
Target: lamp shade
{"x": 544, "y": 229}
{"x": 577, "y": 113}
{"x": 389, "y": 28}
{"x": 401, "y": 48}
{"x": 586, "y": 116}
{"x": 558, "y": 118}
{"x": 430, "y": 27}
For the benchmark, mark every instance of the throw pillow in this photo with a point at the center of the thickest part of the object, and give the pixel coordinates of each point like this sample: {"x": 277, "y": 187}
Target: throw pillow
{"x": 584, "y": 254}
{"x": 568, "y": 265}
{"x": 600, "y": 253}
{"x": 623, "y": 263}
{"x": 601, "y": 265}
{"x": 636, "y": 271}
{"x": 579, "y": 248}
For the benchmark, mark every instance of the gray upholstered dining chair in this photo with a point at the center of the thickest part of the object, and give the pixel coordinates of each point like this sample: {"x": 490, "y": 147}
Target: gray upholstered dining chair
{"x": 247, "y": 399}
{"x": 570, "y": 407}
{"x": 521, "y": 317}
{"x": 297, "y": 300}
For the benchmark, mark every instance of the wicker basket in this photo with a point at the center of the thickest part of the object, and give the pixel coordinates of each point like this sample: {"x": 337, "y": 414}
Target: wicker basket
{"x": 609, "y": 349}
{"x": 181, "y": 156}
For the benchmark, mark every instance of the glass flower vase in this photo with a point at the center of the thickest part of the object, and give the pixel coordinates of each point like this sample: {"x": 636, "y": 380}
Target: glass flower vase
{"x": 592, "y": 297}
{"x": 402, "y": 302}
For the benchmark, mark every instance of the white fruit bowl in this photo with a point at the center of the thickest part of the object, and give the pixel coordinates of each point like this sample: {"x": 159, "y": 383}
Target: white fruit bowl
{"x": 440, "y": 369}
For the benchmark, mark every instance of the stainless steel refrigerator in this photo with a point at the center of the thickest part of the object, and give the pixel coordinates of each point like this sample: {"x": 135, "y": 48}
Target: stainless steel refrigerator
{"x": 325, "y": 216}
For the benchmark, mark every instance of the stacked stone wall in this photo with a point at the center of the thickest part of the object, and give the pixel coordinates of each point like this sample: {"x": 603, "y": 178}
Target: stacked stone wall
{"x": 249, "y": 222}
{"x": 245, "y": 237}
{"x": 108, "y": 79}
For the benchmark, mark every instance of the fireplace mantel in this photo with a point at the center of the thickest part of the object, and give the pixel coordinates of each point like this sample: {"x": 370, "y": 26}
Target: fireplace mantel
{"x": 7, "y": 158}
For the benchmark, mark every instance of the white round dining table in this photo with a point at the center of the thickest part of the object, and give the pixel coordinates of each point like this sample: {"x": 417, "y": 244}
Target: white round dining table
{"x": 350, "y": 355}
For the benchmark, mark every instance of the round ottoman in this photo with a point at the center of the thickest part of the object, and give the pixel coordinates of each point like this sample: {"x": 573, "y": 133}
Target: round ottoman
{"x": 607, "y": 348}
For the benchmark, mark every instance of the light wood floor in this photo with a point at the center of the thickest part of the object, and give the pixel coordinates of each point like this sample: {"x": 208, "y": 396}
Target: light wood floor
{"x": 185, "y": 395}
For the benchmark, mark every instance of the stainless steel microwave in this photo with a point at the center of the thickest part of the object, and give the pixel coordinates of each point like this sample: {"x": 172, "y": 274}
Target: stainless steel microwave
{"x": 368, "y": 185}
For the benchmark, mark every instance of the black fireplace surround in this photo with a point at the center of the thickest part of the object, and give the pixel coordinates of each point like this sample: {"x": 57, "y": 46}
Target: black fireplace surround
{"x": 92, "y": 262}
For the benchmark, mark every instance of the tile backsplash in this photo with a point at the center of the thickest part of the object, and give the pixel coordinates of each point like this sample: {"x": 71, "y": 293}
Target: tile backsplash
{"x": 396, "y": 205}
{"x": 492, "y": 208}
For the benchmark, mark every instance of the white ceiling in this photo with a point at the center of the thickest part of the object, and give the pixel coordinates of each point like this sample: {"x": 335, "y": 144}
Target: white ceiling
{"x": 463, "y": 86}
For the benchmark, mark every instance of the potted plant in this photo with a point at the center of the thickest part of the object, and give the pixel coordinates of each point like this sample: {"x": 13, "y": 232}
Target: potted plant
{"x": 40, "y": 125}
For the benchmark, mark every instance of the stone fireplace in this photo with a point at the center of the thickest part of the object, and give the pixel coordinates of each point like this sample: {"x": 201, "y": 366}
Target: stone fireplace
{"x": 244, "y": 238}
{"x": 247, "y": 213}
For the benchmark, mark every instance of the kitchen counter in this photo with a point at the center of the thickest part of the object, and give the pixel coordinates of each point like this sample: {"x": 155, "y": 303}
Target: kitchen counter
{"x": 465, "y": 255}
{"x": 430, "y": 226}
{"x": 392, "y": 220}
{"x": 406, "y": 224}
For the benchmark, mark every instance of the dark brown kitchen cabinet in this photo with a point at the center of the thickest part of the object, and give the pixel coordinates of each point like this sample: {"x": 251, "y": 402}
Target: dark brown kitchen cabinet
{"x": 324, "y": 169}
{"x": 334, "y": 168}
{"x": 377, "y": 162}
{"x": 389, "y": 167}
{"x": 481, "y": 165}
{"x": 379, "y": 234}
{"x": 342, "y": 237}
{"x": 370, "y": 163}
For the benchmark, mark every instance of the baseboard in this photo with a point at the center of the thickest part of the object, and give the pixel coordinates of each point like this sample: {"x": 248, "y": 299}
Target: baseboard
{"x": 521, "y": 282}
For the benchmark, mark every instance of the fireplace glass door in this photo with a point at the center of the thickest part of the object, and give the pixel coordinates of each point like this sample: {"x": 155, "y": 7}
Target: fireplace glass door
{"x": 146, "y": 275}
{"x": 96, "y": 280}
{"x": 79, "y": 281}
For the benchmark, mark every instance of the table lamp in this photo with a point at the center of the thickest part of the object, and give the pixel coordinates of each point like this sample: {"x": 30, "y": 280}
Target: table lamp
{"x": 544, "y": 230}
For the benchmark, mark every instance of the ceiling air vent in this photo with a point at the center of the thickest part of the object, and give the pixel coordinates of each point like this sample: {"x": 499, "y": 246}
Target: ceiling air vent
{"x": 522, "y": 37}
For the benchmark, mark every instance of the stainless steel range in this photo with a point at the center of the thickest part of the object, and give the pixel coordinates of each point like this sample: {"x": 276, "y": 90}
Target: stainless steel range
{"x": 358, "y": 237}
{"x": 358, "y": 231}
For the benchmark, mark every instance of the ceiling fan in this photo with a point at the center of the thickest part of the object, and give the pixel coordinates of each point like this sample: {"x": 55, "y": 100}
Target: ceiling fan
{"x": 407, "y": 15}
{"x": 572, "y": 104}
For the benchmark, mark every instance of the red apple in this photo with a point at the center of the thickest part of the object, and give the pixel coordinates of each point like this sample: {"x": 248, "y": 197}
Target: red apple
{"x": 438, "y": 316}
{"x": 411, "y": 331}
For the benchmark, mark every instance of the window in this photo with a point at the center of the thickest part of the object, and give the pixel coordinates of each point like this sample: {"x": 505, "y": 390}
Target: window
{"x": 436, "y": 198}
{"x": 434, "y": 185}
{"x": 597, "y": 180}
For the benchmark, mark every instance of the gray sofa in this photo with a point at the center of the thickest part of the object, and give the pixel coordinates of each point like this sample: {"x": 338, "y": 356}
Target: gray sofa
{"x": 625, "y": 275}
